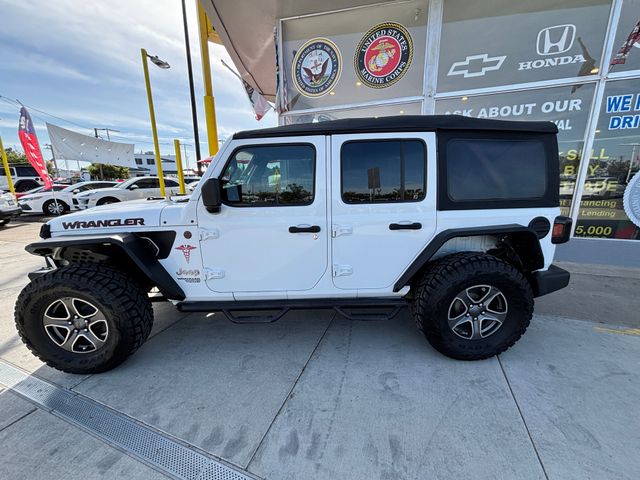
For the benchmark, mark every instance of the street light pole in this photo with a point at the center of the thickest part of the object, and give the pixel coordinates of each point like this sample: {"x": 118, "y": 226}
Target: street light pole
{"x": 192, "y": 92}
{"x": 152, "y": 114}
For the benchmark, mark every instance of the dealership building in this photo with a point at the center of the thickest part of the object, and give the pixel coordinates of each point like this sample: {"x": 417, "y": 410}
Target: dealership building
{"x": 572, "y": 62}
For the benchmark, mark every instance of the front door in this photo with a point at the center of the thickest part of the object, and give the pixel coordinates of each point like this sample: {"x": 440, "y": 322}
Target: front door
{"x": 271, "y": 234}
{"x": 383, "y": 206}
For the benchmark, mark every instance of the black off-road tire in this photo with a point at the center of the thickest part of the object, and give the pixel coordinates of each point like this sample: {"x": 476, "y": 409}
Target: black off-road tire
{"x": 123, "y": 303}
{"x": 447, "y": 277}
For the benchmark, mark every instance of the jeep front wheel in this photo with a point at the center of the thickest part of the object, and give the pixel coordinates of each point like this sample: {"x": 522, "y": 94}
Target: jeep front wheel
{"x": 83, "y": 318}
{"x": 472, "y": 306}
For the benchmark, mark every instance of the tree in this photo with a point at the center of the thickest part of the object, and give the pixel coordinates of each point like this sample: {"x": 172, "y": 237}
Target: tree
{"x": 108, "y": 172}
{"x": 13, "y": 156}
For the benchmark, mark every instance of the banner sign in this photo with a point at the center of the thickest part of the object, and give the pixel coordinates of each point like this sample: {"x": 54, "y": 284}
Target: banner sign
{"x": 29, "y": 142}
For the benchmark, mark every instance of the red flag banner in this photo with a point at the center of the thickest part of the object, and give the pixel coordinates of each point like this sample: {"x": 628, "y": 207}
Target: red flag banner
{"x": 31, "y": 147}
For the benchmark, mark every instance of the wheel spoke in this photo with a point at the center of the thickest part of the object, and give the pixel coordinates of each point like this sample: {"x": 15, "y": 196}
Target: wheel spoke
{"x": 70, "y": 340}
{"x": 491, "y": 295}
{"x": 455, "y": 323}
{"x": 476, "y": 329}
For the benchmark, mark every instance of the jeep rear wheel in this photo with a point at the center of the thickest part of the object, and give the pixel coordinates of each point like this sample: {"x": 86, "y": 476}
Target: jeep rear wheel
{"x": 83, "y": 319}
{"x": 472, "y": 306}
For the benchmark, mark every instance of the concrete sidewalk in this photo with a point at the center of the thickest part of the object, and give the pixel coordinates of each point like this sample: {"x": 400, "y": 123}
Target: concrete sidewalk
{"x": 315, "y": 396}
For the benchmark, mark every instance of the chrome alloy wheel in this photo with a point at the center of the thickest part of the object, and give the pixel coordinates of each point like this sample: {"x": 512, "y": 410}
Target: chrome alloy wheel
{"x": 55, "y": 208}
{"x": 75, "y": 325}
{"x": 477, "y": 312}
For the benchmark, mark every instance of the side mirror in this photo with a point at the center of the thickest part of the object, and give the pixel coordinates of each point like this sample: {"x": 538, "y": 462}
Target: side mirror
{"x": 212, "y": 195}
{"x": 134, "y": 187}
{"x": 77, "y": 190}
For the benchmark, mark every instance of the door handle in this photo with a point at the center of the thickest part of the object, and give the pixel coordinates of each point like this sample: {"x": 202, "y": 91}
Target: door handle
{"x": 311, "y": 229}
{"x": 405, "y": 226}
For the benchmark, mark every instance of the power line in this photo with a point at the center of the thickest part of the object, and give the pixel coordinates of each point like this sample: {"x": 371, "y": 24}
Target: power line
{"x": 17, "y": 103}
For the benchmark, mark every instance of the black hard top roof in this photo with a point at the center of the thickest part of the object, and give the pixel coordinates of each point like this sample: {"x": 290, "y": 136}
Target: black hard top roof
{"x": 399, "y": 123}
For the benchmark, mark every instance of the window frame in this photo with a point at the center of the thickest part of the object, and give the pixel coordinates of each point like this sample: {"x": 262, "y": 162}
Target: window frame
{"x": 398, "y": 139}
{"x": 549, "y": 199}
{"x": 258, "y": 145}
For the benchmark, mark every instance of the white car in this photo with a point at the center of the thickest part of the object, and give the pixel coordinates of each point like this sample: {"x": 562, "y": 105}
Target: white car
{"x": 190, "y": 187}
{"x": 59, "y": 201}
{"x": 9, "y": 209}
{"x": 132, "y": 189}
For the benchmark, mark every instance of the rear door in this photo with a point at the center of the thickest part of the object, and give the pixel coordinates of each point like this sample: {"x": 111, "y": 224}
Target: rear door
{"x": 383, "y": 206}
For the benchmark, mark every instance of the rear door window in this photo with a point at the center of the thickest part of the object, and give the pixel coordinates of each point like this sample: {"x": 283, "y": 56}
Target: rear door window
{"x": 382, "y": 171}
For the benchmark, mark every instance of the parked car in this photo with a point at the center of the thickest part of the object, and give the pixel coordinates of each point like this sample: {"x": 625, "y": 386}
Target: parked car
{"x": 456, "y": 217}
{"x": 61, "y": 200}
{"x": 9, "y": 208}
{"x": 24, "y": 177}
{"x": 132, "y": 189}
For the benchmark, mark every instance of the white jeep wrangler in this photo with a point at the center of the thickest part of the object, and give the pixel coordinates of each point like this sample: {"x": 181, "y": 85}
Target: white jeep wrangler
{"x": 456, "y": 217}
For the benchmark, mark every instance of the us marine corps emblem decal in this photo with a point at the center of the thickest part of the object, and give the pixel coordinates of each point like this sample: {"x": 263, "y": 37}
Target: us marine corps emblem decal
{"x": 383, "y": 55}
{"x": 631, "y": 200}
{"x": 316, "y": 67}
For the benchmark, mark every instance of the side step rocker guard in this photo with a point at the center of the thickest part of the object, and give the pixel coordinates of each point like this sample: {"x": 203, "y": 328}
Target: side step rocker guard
{"x": 269, "y": 311}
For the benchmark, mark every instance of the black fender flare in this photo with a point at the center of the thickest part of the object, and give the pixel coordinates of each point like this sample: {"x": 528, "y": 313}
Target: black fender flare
{"x": 525, "y": 237}
{"x": 141, "y": 250}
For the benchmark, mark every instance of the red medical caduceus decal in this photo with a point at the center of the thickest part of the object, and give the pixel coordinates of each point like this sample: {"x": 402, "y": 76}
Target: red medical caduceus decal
{"x": 186, "y": 251}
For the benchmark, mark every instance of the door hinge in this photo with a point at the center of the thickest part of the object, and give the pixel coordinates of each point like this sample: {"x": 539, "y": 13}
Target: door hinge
{"x": 337, "y": 230}
{"x": 208, "y": 234}
{"x": 213, "y": 273}
{"x": 342, "y": 270}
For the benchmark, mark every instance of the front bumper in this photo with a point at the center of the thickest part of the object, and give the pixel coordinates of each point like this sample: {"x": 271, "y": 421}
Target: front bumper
{"x": 551, "y": 280}
{"x": 10, "y": 213}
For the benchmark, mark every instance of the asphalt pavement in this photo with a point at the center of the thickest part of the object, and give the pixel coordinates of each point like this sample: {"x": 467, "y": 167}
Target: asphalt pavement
{"x": 315, "y": 396}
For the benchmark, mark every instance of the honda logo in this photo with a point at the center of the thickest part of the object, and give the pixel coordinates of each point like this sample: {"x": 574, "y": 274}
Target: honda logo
{"x": 476, "y": 65}
{"x": 555, "y": 40}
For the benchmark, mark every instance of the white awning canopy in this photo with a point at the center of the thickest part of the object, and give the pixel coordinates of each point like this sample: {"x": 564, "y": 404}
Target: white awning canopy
{"x": 246, "y": 28}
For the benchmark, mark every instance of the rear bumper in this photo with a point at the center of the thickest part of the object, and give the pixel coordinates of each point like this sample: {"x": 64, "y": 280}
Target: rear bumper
{"x": 551, "y": 280}
{"x": 10, "y": 213}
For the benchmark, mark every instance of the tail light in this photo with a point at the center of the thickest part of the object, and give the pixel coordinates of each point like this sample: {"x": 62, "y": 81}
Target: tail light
{"x": 561, "y": 229}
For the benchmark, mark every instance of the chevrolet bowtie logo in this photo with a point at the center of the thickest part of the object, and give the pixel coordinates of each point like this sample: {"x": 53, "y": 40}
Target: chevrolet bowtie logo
{"x": 476, "y": 65}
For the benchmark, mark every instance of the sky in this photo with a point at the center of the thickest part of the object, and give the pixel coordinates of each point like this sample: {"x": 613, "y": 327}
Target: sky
{"x": 80, "y": 61}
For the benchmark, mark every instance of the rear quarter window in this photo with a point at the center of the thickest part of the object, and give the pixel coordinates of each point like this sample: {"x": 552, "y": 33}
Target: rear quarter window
{"x": 501, "y": 172}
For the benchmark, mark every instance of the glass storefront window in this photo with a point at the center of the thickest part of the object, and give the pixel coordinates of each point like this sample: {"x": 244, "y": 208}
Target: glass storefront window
{"x": 321, "y": 55}
{"x": 568, "y": 107}
{"x": 503, "y": 42}
{"x": 617, "y": 138}
{"x": 381, "y": 111}
{"x": 626, "y": 52}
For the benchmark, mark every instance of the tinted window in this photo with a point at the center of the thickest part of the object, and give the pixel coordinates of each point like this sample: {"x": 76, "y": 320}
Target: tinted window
{"x": 150, "y": 161}
{"x": 138, "y": 161}
{"x": 270, "y": 175}
{"x": 170, "y": 183}
{"x": 148, "y": 183}
{"x": 496, "y": 169}
{"x": 26, "y": 171}
{"x": 383, "y": 171}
